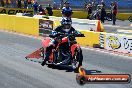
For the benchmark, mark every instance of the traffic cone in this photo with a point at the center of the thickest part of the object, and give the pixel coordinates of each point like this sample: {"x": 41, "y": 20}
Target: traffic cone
{"x": 99, "y": 26}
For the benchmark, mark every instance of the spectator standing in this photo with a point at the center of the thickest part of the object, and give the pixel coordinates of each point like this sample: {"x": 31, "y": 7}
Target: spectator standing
{"x": 49, "y": 10}
{"x": 55, "y": 5}
{"x": 40, "y": 9}
{"x": 89, "y": 9}
{"x": 12, "y": 3}
{"x": 29, "y": 4}
{"x": 35, "y": 7}
{"x": 2, "y": 3}
{"x": 98, "y": 12}
{"x": 85, "y": 5}
{"x": 7, "y": 3}
{"x": 103, "y": 4}
{"x": 19, "y": 3}
{"x": 93, "y": 5}
{"x": 114, "y": 11}
{"x": 66, "y": 10}
{"x": 111, "y": 9}
{"x": 25, "y": 4}
{"x": 103, "y": 14}
{"x": 62, "y": 4}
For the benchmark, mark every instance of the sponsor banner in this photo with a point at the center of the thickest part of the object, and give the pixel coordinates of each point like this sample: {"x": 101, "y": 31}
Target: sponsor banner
{"x": 119, "y": 43}
{"x": 85, "y": 78}
{"x": 14, "y": 11}
{"x": 45, "y": 27}
{"x": 103, "y": 78}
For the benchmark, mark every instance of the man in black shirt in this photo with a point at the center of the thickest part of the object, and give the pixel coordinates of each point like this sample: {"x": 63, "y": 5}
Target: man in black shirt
{"x": 49, "y": 10}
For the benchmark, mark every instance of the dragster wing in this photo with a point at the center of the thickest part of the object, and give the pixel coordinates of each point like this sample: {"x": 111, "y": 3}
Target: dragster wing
{"x": 36, "y": 54}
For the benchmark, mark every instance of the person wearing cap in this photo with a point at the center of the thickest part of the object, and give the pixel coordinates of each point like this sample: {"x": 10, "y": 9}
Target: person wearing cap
{"x": 113, "y": 11}
{"x": 89, "y": 9}
{"x": 66, "y": 10}
{"x": 35, "y": 6}
{"x": 102, "y": 14}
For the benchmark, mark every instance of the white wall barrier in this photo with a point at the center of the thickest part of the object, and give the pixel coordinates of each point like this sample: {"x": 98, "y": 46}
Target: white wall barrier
{"x": 116, "y": 42}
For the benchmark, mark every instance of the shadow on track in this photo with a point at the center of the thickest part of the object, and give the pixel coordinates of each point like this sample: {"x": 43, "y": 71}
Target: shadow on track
{"x": 92, "y": 71}
{"x": 67, "y": 68}
{"x": 70, "y": 69}
{"x": 60, "y": 67}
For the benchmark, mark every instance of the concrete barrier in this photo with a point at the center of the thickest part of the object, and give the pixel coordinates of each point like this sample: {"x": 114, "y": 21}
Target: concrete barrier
{"x": 116, "y": 42}
{"x": 91, "y": 38}
{"x": 28, "y": 25}
{"x": 11, "y": 25}
{"x": 2, "y": 21}
{"x": 123, "y": 16}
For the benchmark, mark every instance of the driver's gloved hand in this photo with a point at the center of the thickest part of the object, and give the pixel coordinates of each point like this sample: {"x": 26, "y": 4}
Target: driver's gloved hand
{"x": 71, "y": 38}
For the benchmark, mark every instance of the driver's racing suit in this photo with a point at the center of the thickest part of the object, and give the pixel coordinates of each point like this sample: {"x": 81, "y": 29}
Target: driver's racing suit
{"x": 54, "y": 41}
